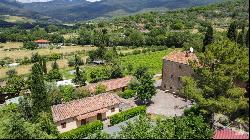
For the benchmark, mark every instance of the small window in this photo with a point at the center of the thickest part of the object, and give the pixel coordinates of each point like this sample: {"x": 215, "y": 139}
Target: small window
{"x": 179, "y": 79}
{"x": 172, "y": 76}
{"x": 179, "y": 66}
{"x": 63, "y": 125}
{"x": 112, "y": 109}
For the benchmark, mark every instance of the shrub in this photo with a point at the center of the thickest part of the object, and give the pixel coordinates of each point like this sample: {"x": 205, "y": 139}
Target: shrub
{"x": 128, "y": 94}
{"x": 136, "y": 52}
{"x": 100, "y": 89}
{"x": 82, "y": 131}
{"x": 11, "y": 72}
{"x": 55, "y": 56}
{"x": 125, "y": 115}
{"x": 30, "y": 45}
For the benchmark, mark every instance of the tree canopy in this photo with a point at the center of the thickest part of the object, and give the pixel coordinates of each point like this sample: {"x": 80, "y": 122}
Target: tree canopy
{"x": 216, "y": 85}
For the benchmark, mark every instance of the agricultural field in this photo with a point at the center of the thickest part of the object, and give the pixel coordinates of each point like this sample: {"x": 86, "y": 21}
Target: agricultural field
{"x": 153, "y": 60}
{"x": 25, "y": 69}
{"x": 43, "y": 51}
{"x": 17, "y": 19}
{"x": 10, "y": 50}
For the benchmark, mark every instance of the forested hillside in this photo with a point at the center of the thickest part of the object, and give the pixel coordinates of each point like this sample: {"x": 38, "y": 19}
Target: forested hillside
{"x": 83, "y": 10}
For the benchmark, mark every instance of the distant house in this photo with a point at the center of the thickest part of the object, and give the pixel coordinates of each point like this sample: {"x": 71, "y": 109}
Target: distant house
{"x": 229, "y": 134}
{"x": 176, "y": 65}
{"x": 114, "y": 85}
{"x": 76, "y": 113}
{"x": 42, "y": 43}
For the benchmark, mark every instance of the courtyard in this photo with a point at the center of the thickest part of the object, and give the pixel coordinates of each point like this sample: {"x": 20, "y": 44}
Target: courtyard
{"x": 167, "y": 104}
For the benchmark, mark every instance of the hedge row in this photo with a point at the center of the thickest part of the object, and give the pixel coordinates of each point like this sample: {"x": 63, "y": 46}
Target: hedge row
{"x": 83, "y": 131}
{"x": 125, "y": 115}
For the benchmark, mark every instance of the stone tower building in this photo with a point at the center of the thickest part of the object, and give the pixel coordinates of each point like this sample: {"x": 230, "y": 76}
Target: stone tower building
{"x": 175, "y": 65}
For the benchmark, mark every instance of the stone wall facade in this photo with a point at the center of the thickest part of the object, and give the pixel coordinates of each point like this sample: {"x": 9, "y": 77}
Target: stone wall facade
{"x": 172, "y": 73}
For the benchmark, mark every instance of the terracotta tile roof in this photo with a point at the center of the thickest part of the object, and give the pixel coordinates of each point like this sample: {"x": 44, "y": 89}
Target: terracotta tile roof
{"x": 91, "y": 114}
{"x": 84, "y": 106}
{"x": 41, "y": 41}
{"x": 110, "y": 84}
{"x": 181, "y": 57}
{"x": 229, "y": 134}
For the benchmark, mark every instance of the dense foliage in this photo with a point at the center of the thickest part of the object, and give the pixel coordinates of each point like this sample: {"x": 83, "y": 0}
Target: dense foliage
{"x": 184, "y": 127}
{"x": 217, "y": 87}
{"x": 14, "y": 126}
{"x": 83, "y": 131}
{"x": 125, "y": 115}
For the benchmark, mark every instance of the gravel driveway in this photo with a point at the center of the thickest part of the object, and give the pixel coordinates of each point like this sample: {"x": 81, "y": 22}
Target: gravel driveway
{"x": 167, "y": 104}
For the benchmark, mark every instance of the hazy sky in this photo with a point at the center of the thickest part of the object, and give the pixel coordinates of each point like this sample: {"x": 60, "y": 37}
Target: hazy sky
{"x": 46, "y": 0}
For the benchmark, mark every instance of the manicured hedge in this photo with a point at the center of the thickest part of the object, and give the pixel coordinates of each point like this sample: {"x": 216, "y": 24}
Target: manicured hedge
{"x": 125, "y": 115}
{"x": 83, "y": 131}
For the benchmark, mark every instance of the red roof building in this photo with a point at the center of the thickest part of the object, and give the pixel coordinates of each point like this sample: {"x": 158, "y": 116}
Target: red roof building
{"x": 111, "y": 85}
{"x": 229, "y": 134}
{"x": 41, "y": 41}
{"x": 181, "y": 57}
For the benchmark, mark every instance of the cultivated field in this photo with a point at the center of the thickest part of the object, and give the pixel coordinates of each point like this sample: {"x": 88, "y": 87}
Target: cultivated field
{"x": 21, "y": 53}
{"x": 14, "y": 50}
{"x": 25, "y": 69}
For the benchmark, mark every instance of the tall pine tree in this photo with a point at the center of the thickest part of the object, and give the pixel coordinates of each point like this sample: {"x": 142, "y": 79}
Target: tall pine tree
{"x": 80, "y": 78}
{"x": 38, "y": 91}
{"x": 44, "y": 65}
{"x": 208, "y": 37}
{"x": 232, "y": 31}
{"x": 54, "y": 74}
{"x": 241, "y": 37}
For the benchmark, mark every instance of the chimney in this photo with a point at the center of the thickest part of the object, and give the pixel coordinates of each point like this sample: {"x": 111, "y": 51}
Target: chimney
{"x": 191, "y": 50}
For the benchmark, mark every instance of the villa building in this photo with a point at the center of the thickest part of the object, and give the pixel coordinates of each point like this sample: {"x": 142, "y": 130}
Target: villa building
{"x": 42, "y": 43}
{"x": 176, "y": 65}
{"x": 113, "y": 85}
{"x": 75, "y": 113}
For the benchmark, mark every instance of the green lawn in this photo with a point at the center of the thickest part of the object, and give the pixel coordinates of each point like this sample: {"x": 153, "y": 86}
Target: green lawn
{"x": 152, "y": 60}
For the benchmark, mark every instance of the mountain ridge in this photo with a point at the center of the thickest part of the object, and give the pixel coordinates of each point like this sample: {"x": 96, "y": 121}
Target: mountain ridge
{"x": 68, "y": 11}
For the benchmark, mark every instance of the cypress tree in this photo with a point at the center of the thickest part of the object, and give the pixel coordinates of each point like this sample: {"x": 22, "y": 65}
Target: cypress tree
{"x": 247, "y": 39}
{"x": 38, "y": 91}
{"x": 208, "y": 37}
{"x": 241, "y": 38}
{"x": 79, "y": 76}
{"x": 232, "y": 31}
{"x": 54, "y": 74}
{"x": 44, "y": 65}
